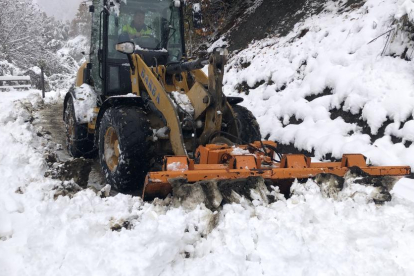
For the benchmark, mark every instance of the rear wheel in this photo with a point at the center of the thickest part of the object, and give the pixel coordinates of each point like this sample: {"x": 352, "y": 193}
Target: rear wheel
{"x": 249, "y": 128}
{"x": 125, "y": 147}
{"x": 78, "y": 141}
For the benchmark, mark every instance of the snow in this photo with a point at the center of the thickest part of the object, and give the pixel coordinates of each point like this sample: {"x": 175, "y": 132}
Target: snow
{"x": 405, "y": 7}
{"x": 75, "y": 47}
{"x": 255, "y": 5}
{"x": 177, "y": 166}
{"x": 308, "y": 234}
{"x": 129, "y": 95}
{"x": 183, "y": 101}
{"x": 14, "y": 78}
{"x": 139, "y": 48}
{"x": 405, "y": 189}
{"x": 36, "y": 70}
{"x": 160, "y": 133}
{"x": 7, "y": 98}
{"x": 84, "y": 103}
{"x": 332, "y": 52}
{"x": 197, "y": 7}
{"x": 239, "y": 151}
{"x": 8, "y": 68}
{"x": 220, "y": 43}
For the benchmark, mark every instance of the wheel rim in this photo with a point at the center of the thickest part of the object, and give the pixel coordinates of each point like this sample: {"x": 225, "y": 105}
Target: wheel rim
{"x": 111, "y": 149}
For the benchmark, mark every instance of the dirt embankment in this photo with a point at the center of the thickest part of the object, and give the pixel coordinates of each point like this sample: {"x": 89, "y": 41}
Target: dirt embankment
{"x": 272, "y": 17}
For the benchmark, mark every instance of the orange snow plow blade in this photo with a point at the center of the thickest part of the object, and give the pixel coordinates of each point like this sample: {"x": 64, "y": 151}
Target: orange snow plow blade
{"x": 222, "y": 162}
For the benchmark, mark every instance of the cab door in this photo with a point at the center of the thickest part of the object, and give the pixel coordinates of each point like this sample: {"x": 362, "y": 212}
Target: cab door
{"x": 110, "y": 69}
{"x": 117, "y": 68}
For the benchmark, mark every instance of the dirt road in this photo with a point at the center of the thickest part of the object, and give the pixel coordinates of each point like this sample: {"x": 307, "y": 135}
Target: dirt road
{"x": 50, "y": 118}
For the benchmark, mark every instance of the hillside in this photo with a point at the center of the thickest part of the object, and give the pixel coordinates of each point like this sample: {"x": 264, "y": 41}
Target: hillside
{"x": 324, "y": 89}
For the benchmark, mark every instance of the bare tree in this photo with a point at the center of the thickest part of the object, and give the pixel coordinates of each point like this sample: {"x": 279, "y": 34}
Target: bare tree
{"x": 27, "y": 35}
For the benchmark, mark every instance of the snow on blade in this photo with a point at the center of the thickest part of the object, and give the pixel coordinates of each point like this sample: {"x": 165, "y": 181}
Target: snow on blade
{"x": 177, "y": 166}
{"x": 239, "y": 151}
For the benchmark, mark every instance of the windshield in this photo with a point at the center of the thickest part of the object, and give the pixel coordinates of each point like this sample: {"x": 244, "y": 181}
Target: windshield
{"x": 152, "y": 25}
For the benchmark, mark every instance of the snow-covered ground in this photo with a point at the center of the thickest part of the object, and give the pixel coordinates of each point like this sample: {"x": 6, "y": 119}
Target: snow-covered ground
{"x": 304, "y": 235}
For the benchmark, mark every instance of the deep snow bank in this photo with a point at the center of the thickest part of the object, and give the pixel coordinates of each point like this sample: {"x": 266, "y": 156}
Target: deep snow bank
{"x": 305, "y": 235}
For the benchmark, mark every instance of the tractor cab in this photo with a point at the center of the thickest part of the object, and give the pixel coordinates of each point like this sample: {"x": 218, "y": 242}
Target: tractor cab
{"x": 156, "y": 28}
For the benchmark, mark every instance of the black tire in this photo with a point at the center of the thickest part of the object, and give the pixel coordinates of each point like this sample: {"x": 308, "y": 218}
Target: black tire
{"x": 125, "y": 170}
{"x": 79, "y": 142}
{"x": 248, "y": 126}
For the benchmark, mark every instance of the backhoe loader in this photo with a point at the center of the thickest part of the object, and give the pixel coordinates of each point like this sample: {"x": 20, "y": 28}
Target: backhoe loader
{"x": 160, "y": 125}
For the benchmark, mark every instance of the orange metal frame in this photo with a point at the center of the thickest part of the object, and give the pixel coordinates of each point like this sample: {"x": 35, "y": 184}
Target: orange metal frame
{"x": 224, "y": 162}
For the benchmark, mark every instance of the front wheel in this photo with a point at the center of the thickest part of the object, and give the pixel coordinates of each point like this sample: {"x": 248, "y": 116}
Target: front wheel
{"x": 79, "y": 141}
{"x": 248, "y": 127}
{"x": 125, "y": 147}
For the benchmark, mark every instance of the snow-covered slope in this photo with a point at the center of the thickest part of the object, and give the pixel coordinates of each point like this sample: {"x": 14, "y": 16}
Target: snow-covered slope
{"x": 325, "y": 89}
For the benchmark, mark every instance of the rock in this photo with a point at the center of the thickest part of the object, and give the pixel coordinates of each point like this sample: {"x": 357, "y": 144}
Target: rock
{"x": 66, "y": 189}
{"x": 117, "y": 226}
{"x": 51, "y": 157}
{"x": 20, "y": 190}
{"x": 77, "y": 169}
{"x": 330, "y": 184}
{"x": 105, "y": 191}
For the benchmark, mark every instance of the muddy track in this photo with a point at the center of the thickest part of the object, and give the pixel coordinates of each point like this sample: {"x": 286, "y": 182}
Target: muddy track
{"x": 50, "y": 118}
